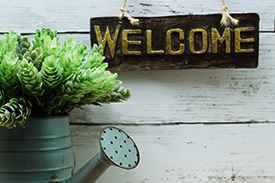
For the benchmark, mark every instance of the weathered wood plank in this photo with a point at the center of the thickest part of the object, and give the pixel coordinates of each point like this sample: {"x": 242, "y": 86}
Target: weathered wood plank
{"x": 223, "y": 95}
{"x": 71, "y": 15}
{"x": 174, "y": 153}
{"x": 192, "y": 96}
{"x": 189, "y": 153}
{"x": 178, "y": 42}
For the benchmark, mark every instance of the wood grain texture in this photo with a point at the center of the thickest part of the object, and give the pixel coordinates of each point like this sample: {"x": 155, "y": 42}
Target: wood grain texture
{"x": 224, "y": 95}
{"x": 26, "y": 16}
{"x": 189, "y": 153}
{"x": 192, "y": 96}
{"x": 198, "y": 49}
{"x": 169, "y": 152}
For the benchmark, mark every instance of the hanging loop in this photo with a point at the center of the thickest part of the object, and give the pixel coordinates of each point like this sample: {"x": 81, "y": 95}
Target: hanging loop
{"x": 227, "y": 19}
{"x": 132, "y": 20}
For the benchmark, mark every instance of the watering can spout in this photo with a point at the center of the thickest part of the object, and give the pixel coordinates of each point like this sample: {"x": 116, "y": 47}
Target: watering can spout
{"x": 116, "y": 148}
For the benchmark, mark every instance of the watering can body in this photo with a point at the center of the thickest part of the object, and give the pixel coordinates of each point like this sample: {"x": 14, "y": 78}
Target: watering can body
{"x": 42, "y": 152}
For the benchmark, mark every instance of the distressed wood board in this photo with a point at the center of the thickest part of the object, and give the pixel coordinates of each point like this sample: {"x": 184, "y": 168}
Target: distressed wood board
{"x": 73, "y": 16}
{"x": 192, "y": 96}
{"x": 189, "y": 153}
{"x": 164, "y": 99}
{"x": 177, "y": 42}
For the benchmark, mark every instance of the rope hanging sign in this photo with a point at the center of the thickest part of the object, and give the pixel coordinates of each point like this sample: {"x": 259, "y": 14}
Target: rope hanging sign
{"x": 178, "y": 42}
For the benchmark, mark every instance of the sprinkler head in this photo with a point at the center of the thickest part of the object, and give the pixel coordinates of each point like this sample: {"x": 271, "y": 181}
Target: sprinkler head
{"x": 119, "y": 148}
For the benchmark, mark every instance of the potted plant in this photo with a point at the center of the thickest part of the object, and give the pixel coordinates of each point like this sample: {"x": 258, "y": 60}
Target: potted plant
{"x": 40, "y": 83}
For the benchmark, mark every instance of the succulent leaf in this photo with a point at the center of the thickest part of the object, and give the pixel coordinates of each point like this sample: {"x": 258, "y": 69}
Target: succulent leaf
{"x": 97, "y": 49}
{"x": 55, "y": 79}
{"x": 8, "y": 44}
{"x": 69, "y": 65}
{"x": 16, "y": 111}
{"x": 119, "y": 94}
{"x": 89, "y": 85}
{"x": 47, "y": 41}
{"x": 30, "y": 78}
{"x": 72, "y": 56}
{"x": 8, "y": 78}
{"x": 51, "y": 72}
{"x": 2, "y": 97}
{"x": 22, "y": 46}
{"x": 93, "y": 61}
{"x": 35, "y": 56}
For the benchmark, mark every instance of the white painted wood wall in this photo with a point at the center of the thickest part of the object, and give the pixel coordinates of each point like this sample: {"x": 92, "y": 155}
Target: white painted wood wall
{"x": 190, "y": 125}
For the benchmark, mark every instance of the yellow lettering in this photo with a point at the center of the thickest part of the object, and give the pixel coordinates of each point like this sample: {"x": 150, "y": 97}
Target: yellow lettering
{"x": 239, "y": 40}
{"x": 192, "y": 41}
{"x": 216, "y": 37}
{"x": 169, "y": 42}
{"x": 107, "y": 38}
{"x": 149, "y": 44}
{"x": 126, "y": 43}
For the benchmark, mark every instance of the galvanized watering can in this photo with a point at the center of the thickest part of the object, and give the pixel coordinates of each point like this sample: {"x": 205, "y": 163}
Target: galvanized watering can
{"x": 42, "y": 152}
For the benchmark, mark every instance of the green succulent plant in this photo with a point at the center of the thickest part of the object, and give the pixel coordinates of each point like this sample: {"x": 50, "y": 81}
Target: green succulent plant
{"x": 22, "y": 46}
{"x": 42, "y": 78}
{"x": 15, "y": 111}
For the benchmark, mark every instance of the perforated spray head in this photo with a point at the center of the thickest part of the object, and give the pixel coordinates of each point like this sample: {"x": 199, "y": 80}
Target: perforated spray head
{"x": 116, "y": 148}
{"x": 119, "y": 148}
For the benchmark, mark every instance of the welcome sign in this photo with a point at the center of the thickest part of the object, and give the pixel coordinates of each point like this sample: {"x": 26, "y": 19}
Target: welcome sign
{"x": 178, "y": 42}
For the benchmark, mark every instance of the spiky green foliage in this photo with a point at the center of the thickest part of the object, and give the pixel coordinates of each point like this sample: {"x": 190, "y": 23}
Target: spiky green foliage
{"x": 35, "y": 56}
{"x": 97, "y": 49}
{"x": 22, "y": 46}
{"x": 47, "y": 41}
{"x": 54, "y": 78}
{"x": 119, "y": 94}
{"x": 94, "y": 61}
{"x": 8, "y": 74}
{"x": 72, "y": 55}
{"x": 30, "y": 78}
{"x": 15, "y": 111}
{"x": 51, "y": 72}
{"x": 8, "y": 44}
{"x": 90, "y": 84}
{"x": 2, "y": 97}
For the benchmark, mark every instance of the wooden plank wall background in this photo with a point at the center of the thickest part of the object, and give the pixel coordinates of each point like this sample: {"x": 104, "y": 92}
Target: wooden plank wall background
{"x": 190, "y": 125}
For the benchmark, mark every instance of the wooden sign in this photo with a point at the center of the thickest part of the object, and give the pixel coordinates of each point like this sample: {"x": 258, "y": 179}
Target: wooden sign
{"x": 178, "y": 42}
